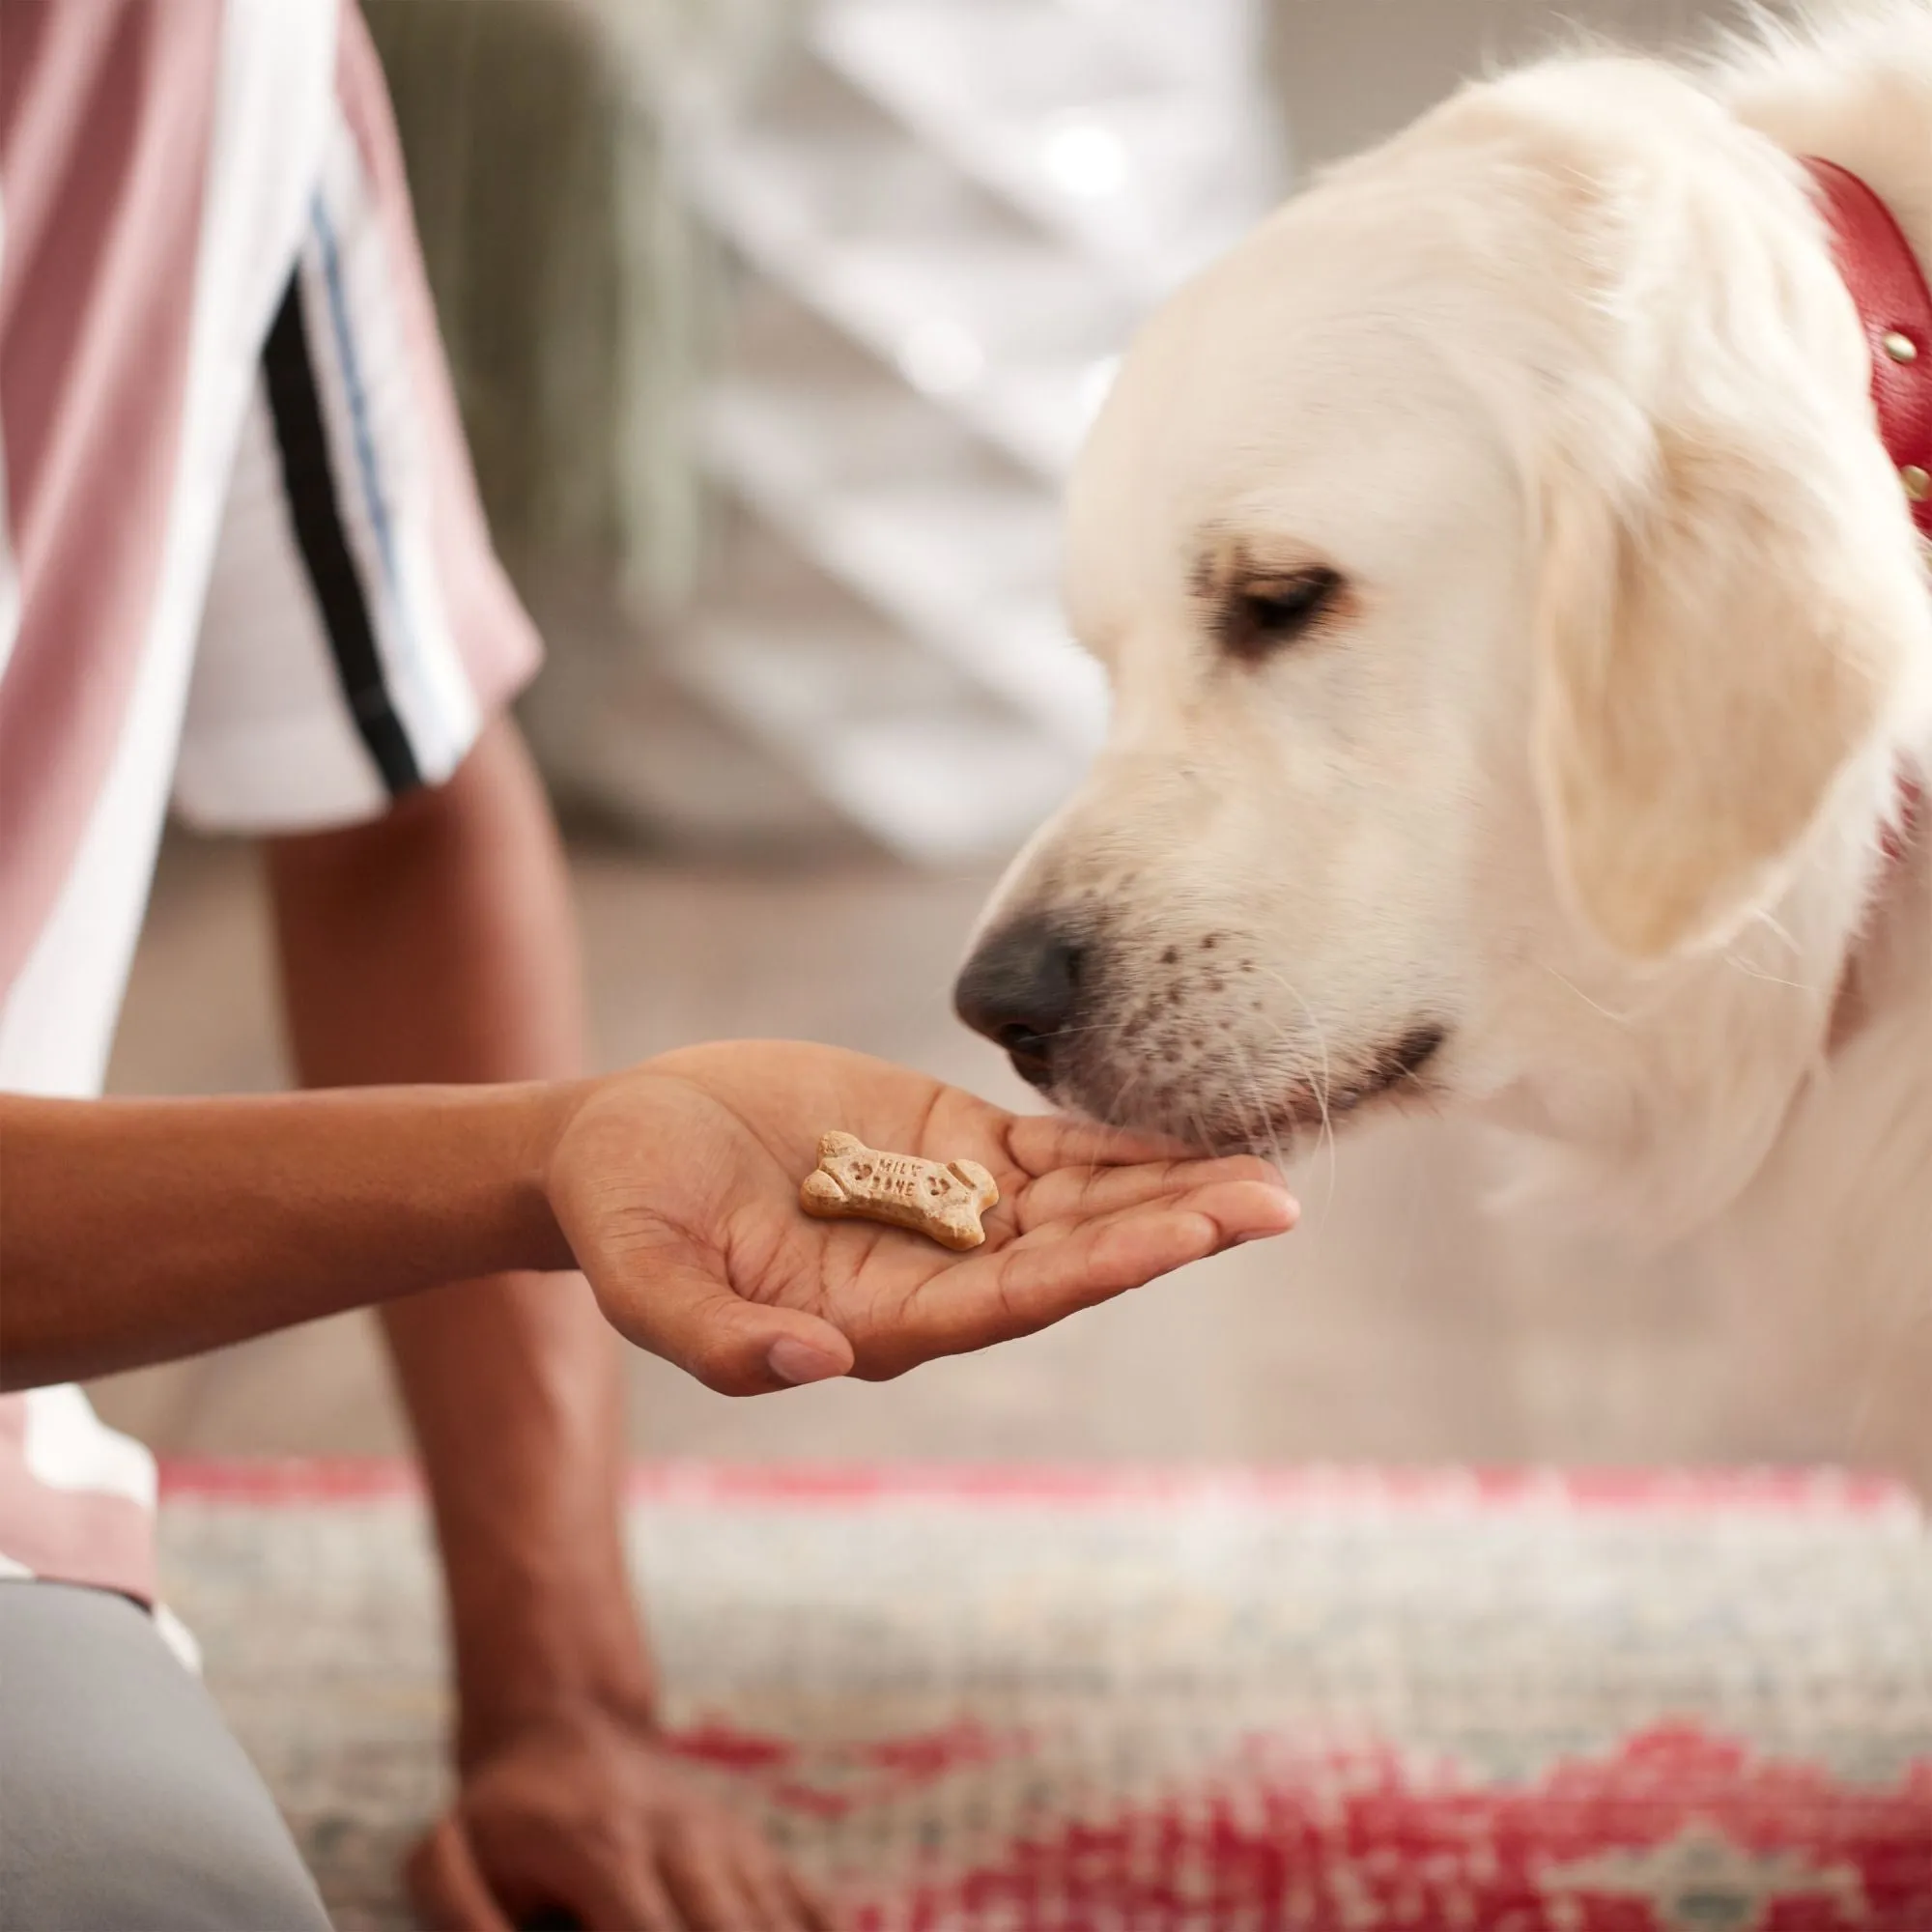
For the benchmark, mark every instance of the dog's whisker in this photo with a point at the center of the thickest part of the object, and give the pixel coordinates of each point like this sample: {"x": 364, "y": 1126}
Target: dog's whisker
{"x": 1262, "y": 1129}
{"x": 1744, "y": 970}
{"x": 1322, "y": 1089}
{"x": 1276, "y": 1152}
{"x": 1570, "y": 986}
{"x": 1767, "y": 918}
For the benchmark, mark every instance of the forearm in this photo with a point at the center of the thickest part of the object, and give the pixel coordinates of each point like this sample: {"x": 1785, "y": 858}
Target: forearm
{"x": 440, "y": 945}
{"x": 519, "y": 1419}
{"x": 136, "y": 1231}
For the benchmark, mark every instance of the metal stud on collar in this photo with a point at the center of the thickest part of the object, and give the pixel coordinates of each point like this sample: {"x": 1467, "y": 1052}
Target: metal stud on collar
{"x": 1900, "y": 347}
{"x": 1917, "y": 482}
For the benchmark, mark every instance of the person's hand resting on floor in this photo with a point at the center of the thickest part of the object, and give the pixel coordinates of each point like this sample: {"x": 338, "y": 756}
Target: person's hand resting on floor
{"x": 676, "y": 1187}
{"x": 591, "y": 1823}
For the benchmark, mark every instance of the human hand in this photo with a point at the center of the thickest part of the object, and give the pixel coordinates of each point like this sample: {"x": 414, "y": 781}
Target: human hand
{"x": 584, "y": 1819}
{"x": 676, "y": 1187}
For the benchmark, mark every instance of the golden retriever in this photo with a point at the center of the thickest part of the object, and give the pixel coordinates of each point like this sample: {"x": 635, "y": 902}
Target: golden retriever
{"x": 1521, "y": 650}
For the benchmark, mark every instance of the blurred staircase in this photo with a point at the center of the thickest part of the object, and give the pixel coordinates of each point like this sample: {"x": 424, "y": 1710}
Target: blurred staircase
{"x": 946, "y": 216}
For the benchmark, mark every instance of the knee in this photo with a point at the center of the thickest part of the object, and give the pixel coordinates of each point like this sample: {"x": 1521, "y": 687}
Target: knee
{"x": 156, "y": 1846}
{"x": 124, "y": 1799}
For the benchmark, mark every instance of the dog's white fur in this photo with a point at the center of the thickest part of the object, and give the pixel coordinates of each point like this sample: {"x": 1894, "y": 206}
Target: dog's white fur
{"x": 1590, "y": 765}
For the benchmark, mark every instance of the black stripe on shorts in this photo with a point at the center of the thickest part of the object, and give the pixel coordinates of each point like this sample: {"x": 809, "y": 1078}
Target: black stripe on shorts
{"x": 309, "y": 479}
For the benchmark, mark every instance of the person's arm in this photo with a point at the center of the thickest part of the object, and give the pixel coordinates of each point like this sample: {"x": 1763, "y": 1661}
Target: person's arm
{"x": 137, "y": 1231}
{"x": 439, "y": 944}
{"x": 140, "y": 1230}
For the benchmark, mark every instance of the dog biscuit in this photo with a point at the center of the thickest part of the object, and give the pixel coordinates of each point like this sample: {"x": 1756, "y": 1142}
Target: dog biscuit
{"x": 941, "y": 1200}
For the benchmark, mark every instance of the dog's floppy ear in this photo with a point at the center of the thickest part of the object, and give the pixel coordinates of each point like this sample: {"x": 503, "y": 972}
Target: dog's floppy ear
{"x": 1724, "y": 630}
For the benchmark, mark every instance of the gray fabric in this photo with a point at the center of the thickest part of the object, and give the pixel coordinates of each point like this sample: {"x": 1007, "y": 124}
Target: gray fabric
{"x": 125, "y": 1803}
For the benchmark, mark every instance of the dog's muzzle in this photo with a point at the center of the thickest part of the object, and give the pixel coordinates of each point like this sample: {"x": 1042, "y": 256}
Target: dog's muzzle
{"x": 1021, "y": 989}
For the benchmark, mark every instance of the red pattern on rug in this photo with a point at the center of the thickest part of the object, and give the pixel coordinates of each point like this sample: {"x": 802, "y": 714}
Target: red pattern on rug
{"x": 1674, "y": 1827}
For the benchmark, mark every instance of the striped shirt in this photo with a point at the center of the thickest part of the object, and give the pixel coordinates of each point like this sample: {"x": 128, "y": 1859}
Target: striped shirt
{"x": 243, "y": 565}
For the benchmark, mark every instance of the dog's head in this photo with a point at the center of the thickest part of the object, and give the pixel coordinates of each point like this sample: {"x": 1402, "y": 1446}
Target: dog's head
{"x": 1510, "y": 617}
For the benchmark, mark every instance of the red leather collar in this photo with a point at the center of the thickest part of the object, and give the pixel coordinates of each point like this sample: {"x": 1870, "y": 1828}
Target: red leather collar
{"x": 1895, "y": 306}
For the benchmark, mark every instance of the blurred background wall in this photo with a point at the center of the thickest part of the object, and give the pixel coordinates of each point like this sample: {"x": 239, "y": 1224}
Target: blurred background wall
{"x": 775, "y": 323}
{"x": 1352, "y": 71}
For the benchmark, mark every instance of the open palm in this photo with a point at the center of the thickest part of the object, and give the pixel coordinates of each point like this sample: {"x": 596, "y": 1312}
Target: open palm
{"x": 676, "y": 1187}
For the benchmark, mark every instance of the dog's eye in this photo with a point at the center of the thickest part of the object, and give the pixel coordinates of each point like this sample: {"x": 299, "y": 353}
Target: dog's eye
{"x": 1275, "y": 610}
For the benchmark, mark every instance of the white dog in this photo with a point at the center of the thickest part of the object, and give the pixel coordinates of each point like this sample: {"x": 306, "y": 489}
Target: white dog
{"x": 1523, "y": 659}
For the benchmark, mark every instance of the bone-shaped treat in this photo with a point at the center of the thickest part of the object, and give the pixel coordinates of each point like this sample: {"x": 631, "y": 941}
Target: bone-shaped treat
{"x": 941, "y": 1200}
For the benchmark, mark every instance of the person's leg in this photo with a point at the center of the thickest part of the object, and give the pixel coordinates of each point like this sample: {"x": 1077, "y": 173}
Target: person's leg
{"x": 125, "y": 1805}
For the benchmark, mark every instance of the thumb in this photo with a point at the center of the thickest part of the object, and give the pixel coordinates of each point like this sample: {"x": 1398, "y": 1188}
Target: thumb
{"x": 682, "y": 1311}
{"x": 446, "y": 1890}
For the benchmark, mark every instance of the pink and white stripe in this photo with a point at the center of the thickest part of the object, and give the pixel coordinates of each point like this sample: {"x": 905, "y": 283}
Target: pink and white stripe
{"x": 167, "y": 167}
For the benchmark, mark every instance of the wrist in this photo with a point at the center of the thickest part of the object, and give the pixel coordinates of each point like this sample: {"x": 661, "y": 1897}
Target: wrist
{"x": 539, "y": 1115}
{"x": 528, "y": 1678}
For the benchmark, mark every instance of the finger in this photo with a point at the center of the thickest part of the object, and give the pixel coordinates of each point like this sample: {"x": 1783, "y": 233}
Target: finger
{"x": 699, "y": 1872}
{"x": 1056, "y": 1272}
{"x": 1087, "y": 1193}
{"x": 1040, "y": 1143}
{"x": 814, "y": 1910}
{"x": 623, "y": 1897}
{"x": 772, "y": 1907}
{"x": 688, "y": 1315}
{"x": 445, "y": 1888}
{"x": 785, "y": 1903}
{"x": 1064, "y": 1269}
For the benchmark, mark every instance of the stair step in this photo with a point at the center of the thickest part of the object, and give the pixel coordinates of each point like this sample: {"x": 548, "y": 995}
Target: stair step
{"x": 943, "y": 782}
{"x": 964, "y": 564}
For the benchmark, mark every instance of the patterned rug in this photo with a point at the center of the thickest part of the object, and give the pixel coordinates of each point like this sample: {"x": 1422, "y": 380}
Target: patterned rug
{"x": 1055, "y": 1703}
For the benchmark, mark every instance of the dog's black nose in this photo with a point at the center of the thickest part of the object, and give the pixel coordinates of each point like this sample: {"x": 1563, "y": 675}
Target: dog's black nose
{"x": 1020, "y": 989}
